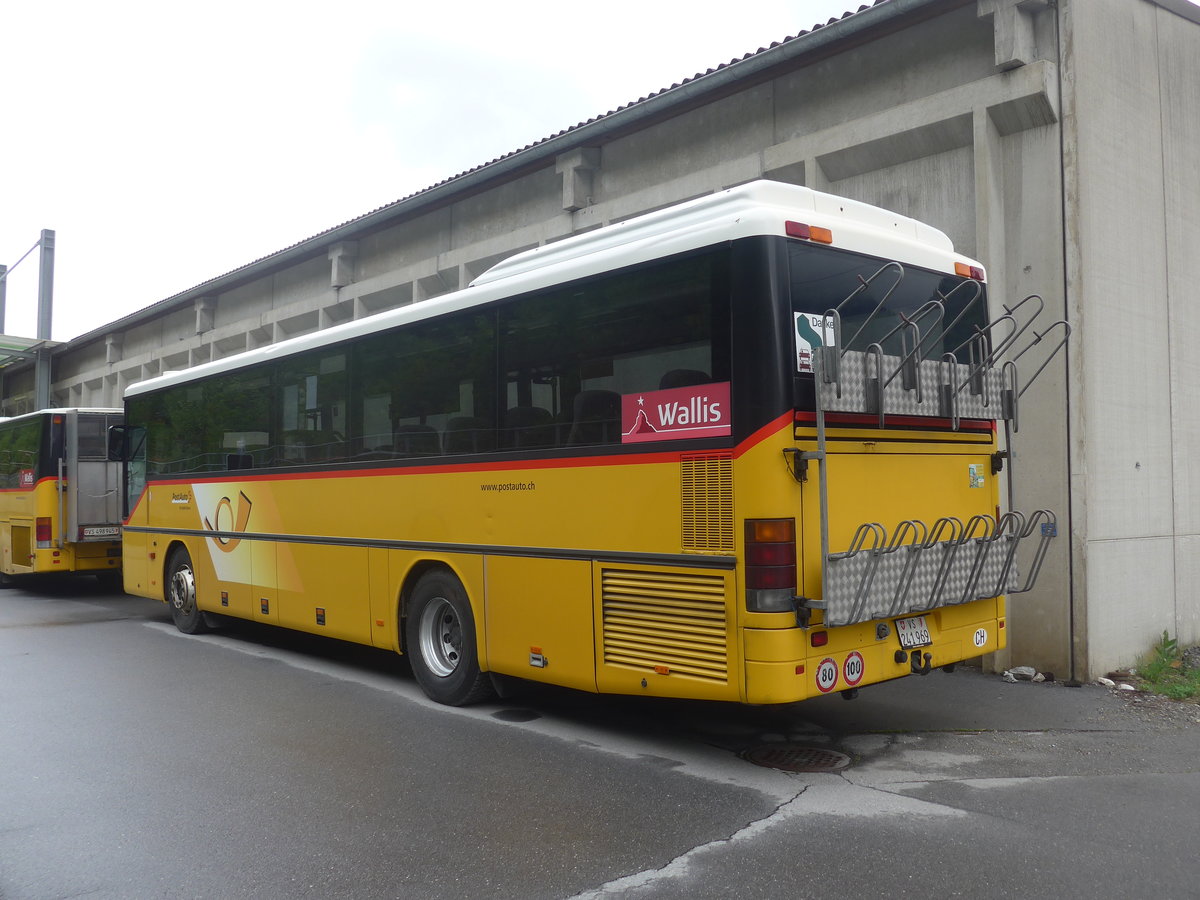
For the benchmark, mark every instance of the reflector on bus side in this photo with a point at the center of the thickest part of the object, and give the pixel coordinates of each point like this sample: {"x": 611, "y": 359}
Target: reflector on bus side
{"x": 808, "y": 232}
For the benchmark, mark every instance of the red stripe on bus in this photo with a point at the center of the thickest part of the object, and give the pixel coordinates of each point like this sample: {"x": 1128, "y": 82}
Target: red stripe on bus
{"x": 932, "y": 422}
{"x": 49, "y": 479}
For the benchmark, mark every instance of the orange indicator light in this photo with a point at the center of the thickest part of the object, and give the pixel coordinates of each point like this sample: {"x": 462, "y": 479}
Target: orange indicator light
{"x": 662, "y": 670}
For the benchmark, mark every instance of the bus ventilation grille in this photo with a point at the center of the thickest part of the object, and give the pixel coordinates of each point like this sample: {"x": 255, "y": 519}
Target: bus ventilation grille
{"x": 706, "y": 485}
{"x": 665, "y": 622}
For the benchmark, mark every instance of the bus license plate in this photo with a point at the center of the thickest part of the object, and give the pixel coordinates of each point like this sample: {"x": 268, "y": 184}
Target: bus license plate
{"x": 913, "y": 633}
{"x": 101, "y": 531}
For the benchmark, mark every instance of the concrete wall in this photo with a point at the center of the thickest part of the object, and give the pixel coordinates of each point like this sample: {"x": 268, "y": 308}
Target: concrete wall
{"x": 1133, "y": 81}
{"x": 951, "y": 111}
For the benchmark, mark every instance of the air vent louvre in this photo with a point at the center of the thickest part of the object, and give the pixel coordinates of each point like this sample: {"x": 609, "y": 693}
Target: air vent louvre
{"x": 706, "y": 486}
{"x": 653, "y": 620}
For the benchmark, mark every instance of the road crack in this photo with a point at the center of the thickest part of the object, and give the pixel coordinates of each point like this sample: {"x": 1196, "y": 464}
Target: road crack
{"x": 679, "y": 866}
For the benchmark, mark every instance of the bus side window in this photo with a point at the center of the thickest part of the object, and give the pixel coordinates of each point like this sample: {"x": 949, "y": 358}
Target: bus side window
{"x": 414, "y": 389}
{"x": 597, "y": 418}
{"x": 311, "y": 411}
{"x": 468, "y": 434}
{"x": 678, "y": 378}
{"x": 528, "y": 427}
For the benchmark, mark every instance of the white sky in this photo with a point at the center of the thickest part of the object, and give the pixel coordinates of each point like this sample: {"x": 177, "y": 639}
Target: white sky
{"x": 167, "y": 143}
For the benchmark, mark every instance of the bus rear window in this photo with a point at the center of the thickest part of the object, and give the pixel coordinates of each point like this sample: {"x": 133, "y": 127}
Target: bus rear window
{"x": 821, "y": 278}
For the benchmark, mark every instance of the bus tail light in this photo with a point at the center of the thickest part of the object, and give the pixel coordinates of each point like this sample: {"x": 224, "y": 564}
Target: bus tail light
{"x": 43, "y": 532}
{"x": 770, "y": 565}
{"x": 968, "y": 271}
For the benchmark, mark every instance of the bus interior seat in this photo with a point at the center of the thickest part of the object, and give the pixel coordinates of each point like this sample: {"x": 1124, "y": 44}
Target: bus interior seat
{"x": 677, "y": 378}
{"x": 469, "y": 434}
{"x": 417, "y": 440}
{"x": 597, "y": 418}
{"x": 529, "y": 426}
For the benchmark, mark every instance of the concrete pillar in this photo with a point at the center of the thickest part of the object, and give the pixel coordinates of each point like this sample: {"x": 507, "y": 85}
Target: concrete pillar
{"x": 114, "y": 347}
{"x": 206, "y": 311}
{"x": 577, "y": 169}
{"x": 989, "y": 205}
{"x": 42, "y": 374}
{"x": 1014, "y": 35}
{"x": 342, "y": 259}
{"x": 814, "y": 175}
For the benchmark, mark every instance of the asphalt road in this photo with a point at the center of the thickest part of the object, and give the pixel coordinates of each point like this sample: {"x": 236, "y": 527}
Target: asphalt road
{"x": 137, "y": 762}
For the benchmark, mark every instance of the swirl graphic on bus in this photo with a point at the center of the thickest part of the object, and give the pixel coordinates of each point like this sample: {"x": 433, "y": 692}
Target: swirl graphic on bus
{"x": 225, "y": 511}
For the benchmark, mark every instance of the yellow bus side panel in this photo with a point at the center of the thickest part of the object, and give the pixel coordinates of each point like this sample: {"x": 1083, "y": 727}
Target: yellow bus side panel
{"x": 384, "y": 597}
{"x": 325, "y": 589}
{"x": 539, "y": 620}
{"x": 18, "y": 546}
{"x": 264, "y": 602}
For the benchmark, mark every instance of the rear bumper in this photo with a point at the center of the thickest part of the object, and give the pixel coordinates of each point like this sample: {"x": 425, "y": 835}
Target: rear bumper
{"x": 783, "y": 666}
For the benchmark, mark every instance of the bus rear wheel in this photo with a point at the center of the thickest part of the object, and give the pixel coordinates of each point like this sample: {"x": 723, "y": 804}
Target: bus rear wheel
{"x": 181, "y": 594}
{"x": 440, "y": 640}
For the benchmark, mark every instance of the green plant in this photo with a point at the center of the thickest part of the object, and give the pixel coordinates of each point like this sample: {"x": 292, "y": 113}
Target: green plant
{"x": 1164, "y": 672}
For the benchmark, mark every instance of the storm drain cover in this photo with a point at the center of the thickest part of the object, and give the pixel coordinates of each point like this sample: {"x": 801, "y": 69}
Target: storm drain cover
{"x": 793, "y": 758}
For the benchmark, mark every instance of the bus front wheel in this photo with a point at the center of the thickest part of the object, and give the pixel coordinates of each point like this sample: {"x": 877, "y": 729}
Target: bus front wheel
{"x": 181, "y": 594}
{"x": 440, "y": 640}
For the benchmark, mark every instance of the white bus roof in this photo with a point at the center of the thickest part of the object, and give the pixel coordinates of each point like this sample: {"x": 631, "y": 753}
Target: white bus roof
{"x": 62, "y": 411}
{"x": 760, "y": 208}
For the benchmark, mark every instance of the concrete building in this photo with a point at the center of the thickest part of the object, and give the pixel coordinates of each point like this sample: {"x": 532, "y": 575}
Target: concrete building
{"x": 1055, "y": 140}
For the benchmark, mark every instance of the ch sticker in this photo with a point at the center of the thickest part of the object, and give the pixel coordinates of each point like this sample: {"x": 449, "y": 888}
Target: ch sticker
{"x": 229, "y": 521}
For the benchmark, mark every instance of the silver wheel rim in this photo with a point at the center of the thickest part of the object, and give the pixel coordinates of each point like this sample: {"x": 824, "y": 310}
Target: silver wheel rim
{"x": 441, "y": 637}
{"x": 183, "y": 590}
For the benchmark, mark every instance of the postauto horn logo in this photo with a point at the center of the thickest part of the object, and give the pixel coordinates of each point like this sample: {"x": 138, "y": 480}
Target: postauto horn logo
{"x": 229, "y": 521}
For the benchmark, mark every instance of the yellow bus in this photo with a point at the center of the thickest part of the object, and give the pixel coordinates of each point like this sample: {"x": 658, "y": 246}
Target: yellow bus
{"x": 60, "y": 496}
{"x": 744, "y": 448}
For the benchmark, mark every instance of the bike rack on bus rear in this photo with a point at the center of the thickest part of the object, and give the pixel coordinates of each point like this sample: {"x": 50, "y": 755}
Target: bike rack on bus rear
{"x": 920, "y": 566}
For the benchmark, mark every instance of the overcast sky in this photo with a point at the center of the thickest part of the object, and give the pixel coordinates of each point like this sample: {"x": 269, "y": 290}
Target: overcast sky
{"x": 168, "y": 143}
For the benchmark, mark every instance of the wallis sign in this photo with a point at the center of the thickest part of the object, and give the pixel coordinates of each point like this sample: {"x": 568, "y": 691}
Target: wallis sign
{"x": 687, "y": 412}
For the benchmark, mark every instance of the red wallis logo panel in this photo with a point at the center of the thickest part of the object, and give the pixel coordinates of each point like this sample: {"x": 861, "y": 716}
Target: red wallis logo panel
{"x": 687, "y": 412}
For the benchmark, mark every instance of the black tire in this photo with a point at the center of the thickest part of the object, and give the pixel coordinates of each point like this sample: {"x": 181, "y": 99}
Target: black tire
{"x": 181, "y": 594}
{"x": 440, "y": 640}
